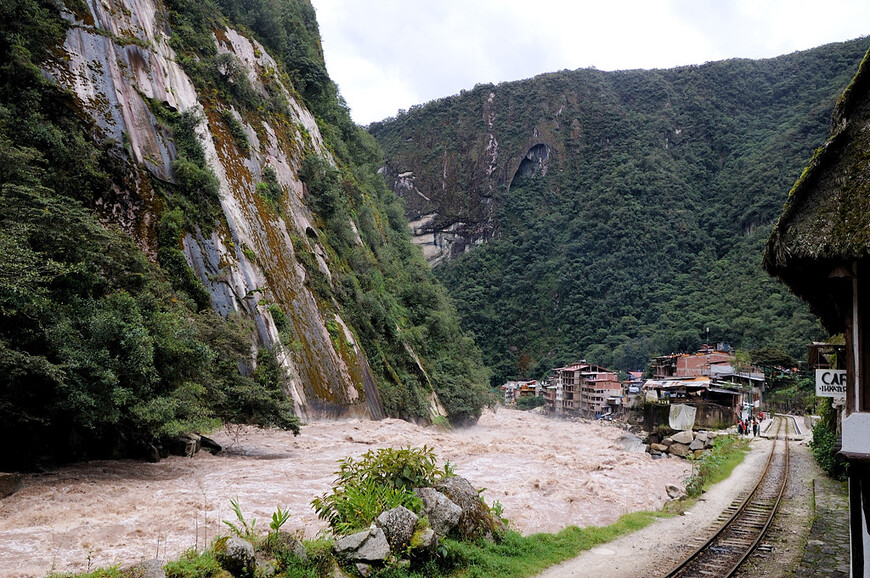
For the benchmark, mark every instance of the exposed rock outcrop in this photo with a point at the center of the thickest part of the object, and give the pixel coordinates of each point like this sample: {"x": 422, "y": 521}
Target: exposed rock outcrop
{"x": 476, "y": 520}
{"x": 119, "y": 64}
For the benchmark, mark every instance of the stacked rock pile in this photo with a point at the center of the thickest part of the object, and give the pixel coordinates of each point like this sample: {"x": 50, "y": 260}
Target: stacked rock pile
{"x": 682, "y": 444}
{"x": 452, "y": 507}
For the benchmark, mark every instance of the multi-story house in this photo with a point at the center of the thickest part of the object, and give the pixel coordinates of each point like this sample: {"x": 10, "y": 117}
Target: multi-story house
{"x": 583, "y": 388}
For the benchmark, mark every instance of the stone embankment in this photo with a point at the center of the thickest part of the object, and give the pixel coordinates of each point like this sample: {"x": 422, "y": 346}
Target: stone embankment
{"x": 683, "y": 444}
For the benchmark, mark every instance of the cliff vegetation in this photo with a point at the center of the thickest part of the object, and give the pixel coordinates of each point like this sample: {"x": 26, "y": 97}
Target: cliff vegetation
{"x": 134, "y": 302}
{"x": 618, "y": 215}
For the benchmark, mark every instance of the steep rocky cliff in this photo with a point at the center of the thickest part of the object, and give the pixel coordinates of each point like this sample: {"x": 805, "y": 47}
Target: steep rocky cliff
{"x": 455, "y": 160}
{"x": 119, "y": 63}
{"x": 200, "y": 144}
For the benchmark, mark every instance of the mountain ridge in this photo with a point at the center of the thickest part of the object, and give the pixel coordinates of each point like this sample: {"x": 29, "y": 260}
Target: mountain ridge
{"x": 646, "y": 180}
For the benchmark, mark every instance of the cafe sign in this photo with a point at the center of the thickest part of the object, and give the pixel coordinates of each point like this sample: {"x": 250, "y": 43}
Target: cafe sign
{"x": 831, "y": 383}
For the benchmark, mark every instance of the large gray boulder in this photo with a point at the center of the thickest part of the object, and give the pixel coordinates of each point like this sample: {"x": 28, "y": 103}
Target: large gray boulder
{"x": 696, "y": 445}
{"x": 443, "y": 515}
{"x": 366, "y": 546}
{"x": 476, "y": 519}
{"x": 398, "y": 525}
{"x": 683, "y": 437}
{"x": 678, "y": 449}
{"x": 236, "y": 556}
{"x": 9, "y": 484}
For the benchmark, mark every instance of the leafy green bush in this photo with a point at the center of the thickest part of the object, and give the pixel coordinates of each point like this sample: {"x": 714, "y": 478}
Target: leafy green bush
{"x": 824, "y": 440}
{"x": 380, "y": 480}
{"x": 530, "y": 402}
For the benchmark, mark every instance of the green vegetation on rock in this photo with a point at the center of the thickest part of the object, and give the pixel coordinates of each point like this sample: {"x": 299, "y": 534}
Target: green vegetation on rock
{"x": 105, "y": 349}
{"x": 378, "y": 481}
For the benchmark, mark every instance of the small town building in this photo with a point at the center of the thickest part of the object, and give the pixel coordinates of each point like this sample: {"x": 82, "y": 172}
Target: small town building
{"x": 516, "y": 389}
{"x": 584, "y": 389}
{"x": 711, "y": 380}
{"x": 692, "y": 364}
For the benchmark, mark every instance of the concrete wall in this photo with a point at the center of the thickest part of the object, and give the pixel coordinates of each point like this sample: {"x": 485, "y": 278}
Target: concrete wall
{"x": 710, "y": 415}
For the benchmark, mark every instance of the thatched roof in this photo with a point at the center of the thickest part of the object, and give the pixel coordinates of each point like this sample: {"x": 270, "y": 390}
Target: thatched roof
{"x": 825, "y": 225}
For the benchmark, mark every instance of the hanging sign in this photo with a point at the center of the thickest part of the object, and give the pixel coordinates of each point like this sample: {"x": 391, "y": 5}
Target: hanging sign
{"x": 831, "y": 383}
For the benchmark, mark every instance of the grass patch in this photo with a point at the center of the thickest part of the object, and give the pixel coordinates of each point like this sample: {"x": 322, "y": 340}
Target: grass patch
{"x": 518, "y": 555}
{"x": 716, "y": 464}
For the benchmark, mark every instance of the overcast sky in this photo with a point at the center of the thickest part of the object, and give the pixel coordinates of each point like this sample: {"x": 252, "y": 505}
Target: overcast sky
{"x": 388, "y": 55}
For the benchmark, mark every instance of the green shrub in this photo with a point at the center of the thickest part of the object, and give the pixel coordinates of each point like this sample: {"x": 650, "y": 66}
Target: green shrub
{"x": 237, "y": 131}
{"x": 377, "y": 482}
{"x": 530, "y": 402}
{"x": 269, "y": 188}
{"x": 822, "y": 446}
{"x": 194, "y": 564}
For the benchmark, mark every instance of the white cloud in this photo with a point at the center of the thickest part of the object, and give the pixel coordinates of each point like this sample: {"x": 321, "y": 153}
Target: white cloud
{"x": 391, "y": 54}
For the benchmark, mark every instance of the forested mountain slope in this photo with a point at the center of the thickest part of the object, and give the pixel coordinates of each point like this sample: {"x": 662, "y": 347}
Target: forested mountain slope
{"x": 621, "y": 214}
{"x": 192, "y": 231}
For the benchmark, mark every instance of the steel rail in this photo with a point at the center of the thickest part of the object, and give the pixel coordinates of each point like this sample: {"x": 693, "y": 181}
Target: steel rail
{"x": 732, "y": 523}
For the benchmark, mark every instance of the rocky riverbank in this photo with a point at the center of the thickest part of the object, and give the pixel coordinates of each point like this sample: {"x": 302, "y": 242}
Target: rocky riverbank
{"x": 547, "y": 474}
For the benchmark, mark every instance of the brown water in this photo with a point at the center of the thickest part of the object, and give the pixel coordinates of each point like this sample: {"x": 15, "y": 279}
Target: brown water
{"x": 548, "y": 474}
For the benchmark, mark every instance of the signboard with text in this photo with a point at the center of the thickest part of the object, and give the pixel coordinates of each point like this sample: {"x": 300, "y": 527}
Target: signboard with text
{"x": 831, "y": 383}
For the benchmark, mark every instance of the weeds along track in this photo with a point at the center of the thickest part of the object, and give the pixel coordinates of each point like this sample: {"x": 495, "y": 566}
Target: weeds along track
{"x": 746, "y": 522}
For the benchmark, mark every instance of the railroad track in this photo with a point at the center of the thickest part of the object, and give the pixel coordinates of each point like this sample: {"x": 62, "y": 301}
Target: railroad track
{"x": 746, "y": 523}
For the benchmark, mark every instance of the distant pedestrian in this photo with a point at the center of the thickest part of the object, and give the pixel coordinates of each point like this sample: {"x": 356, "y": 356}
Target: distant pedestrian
{"x": 755, "y": 427}
{"x": 741, "y": 429}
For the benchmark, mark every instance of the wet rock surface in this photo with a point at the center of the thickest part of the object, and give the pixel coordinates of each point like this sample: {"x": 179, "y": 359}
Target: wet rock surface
{"x": 9, "y": 484}
{"x": 443, "y": 515}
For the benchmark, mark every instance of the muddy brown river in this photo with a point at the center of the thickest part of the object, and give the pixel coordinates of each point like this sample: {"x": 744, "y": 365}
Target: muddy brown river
{"x": 546, "y": 473}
